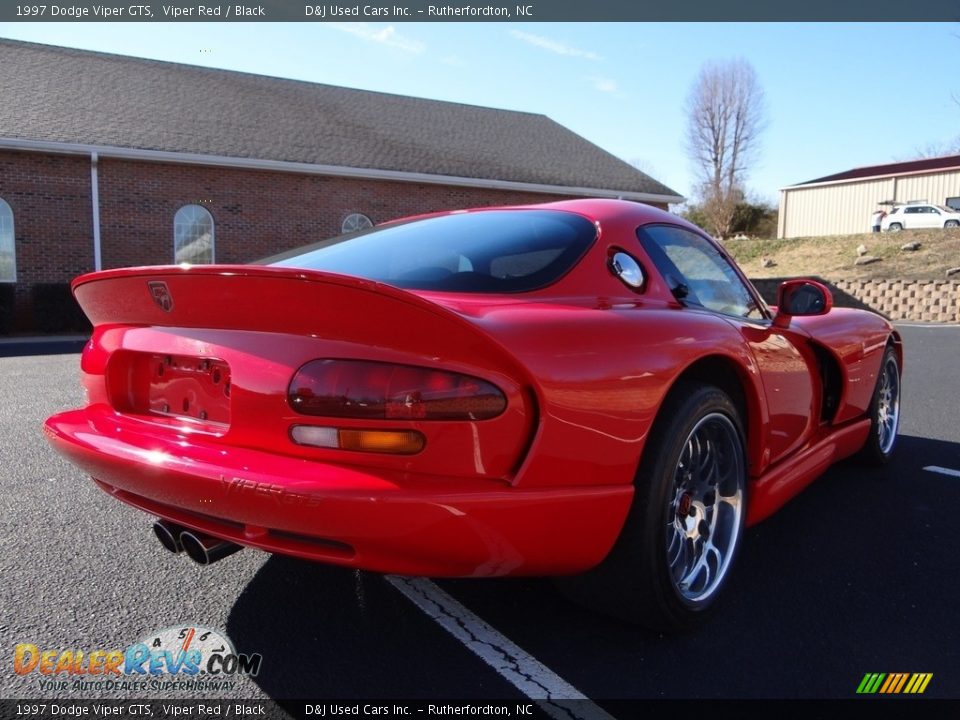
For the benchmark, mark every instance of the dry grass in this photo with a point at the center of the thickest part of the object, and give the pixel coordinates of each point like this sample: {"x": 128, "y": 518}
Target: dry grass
{"x": 832, "y": 257}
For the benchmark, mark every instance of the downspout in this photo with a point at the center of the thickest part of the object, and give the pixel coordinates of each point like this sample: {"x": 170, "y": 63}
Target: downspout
{"x": 95, "y": 196}
{"x": 782, "y": 215}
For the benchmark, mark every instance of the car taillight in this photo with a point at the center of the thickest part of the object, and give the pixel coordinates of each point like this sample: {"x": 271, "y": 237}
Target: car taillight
{"x": 377, "y": 390}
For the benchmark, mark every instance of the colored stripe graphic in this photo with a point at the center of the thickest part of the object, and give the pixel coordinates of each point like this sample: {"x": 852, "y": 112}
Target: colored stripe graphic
{"x": 894, "y": 683}
{"x": 871, "y": 684}
{"x": 891, "y": 679}
{"x": 903, "y": 680}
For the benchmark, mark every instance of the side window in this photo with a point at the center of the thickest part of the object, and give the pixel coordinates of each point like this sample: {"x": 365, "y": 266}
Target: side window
{"x": 912, "y": 210}
{"x": 711, "y": 282}
{"x": 193, "y": 236}
{"x": 8, "y": 244}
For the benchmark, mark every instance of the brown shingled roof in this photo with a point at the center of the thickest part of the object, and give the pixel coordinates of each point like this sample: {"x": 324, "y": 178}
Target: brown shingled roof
{"x": 58, "y": 94}
{"x": 898, "y": 168}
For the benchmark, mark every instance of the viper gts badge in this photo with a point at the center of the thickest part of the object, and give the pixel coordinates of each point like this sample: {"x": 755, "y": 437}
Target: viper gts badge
{"x": 161, "y": 294}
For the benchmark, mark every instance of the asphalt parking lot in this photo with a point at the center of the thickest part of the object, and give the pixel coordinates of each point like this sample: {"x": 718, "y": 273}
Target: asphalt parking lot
{"x": 858, "y": 574}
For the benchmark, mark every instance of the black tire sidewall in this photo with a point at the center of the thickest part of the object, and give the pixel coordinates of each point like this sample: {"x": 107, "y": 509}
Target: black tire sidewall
{"x": 871, "y": 452}
{"x": 653, "y": 486}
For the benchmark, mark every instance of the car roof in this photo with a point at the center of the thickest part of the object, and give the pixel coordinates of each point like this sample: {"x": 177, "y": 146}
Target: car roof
{"x": 602, "y": 209}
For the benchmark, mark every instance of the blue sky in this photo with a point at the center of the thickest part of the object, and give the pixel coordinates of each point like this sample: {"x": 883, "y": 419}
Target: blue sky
{"x": 838, "y": 95}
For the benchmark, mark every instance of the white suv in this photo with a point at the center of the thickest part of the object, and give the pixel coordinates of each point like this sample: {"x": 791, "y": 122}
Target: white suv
{"x": 917, "y": 215}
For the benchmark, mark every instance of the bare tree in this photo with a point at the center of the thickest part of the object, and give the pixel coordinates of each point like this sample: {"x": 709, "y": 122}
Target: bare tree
{"x": 726, "y": 114}
{"x": 645, "y": 166}
{"x": 936, "y": 149}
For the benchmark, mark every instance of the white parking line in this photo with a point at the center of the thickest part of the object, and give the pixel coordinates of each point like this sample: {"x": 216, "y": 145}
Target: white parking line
{"x": 513, "y": 663}
{"x": 942, "y": 470}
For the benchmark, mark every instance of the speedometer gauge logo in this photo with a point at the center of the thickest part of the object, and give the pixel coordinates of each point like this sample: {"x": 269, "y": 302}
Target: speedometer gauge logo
{"x": 190, "y": 650}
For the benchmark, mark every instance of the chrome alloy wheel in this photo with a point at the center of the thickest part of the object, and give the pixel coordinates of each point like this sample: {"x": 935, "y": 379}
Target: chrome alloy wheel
{"x": 704, "y": 512}
{"x": 888, "y": 406}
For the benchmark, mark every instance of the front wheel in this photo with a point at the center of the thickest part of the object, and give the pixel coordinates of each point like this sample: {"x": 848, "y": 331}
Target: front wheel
{"x": 683, "y": 533}
{"x": 952, "y": 224}
{"x": 884, "y": 412}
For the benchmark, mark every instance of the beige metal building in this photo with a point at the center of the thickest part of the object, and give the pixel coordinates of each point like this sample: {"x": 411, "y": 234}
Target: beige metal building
{"x": 842, "y": 204}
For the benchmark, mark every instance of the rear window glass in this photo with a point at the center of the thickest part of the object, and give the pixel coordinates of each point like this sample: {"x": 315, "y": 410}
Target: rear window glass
{"x": 484, "y": 251}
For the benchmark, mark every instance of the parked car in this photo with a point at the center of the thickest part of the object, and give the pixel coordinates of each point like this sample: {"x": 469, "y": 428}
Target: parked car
{"x": 920, "y": 215}
{"x": 588, "y": 388}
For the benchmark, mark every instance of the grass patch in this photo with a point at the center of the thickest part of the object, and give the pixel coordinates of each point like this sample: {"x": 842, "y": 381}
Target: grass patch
{"x": 833, "y": 257}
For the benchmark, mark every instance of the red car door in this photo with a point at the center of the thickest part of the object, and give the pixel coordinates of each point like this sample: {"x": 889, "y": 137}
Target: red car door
{"x": 790, "y": 385}
{"x": 704, "y": 279}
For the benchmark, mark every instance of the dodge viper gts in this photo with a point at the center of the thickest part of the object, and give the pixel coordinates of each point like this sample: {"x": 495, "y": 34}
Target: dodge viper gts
{"x": 588, "y": 388}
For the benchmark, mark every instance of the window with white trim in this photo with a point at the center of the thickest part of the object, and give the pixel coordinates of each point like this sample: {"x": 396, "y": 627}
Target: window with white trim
{"x": 354, "y": 222}
{"x": 193, "y": 236}
{"x": 8, "y": 245}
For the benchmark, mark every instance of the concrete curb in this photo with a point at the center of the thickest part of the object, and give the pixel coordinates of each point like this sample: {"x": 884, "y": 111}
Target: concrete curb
{"x": 41, "y": 345}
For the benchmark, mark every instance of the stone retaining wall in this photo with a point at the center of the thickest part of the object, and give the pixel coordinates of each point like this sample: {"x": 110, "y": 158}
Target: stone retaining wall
{"x": 929, "y": 301}
{"x": 923, "y": 301}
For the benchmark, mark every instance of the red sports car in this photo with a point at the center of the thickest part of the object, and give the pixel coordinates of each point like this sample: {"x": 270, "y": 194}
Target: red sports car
{"x": 588, "y": 388}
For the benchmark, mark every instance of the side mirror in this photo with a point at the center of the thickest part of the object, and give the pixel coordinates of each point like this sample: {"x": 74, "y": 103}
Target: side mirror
{"x": 801, "y": 297}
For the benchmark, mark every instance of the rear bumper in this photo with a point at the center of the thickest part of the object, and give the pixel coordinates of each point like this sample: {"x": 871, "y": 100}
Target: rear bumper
{"x": 341, "y": 514}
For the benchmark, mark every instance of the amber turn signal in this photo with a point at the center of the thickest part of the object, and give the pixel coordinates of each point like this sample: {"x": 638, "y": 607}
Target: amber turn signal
{"x": 396, "y": 442}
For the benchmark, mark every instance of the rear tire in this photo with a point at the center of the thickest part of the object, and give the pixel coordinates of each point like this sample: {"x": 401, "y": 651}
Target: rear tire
{"x": 895, "y": 227}
{"x": 884, "y": 413}
{"x": 682, "y": 535}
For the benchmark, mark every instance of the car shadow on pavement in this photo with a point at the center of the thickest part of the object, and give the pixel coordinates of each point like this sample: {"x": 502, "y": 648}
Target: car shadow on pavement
{"x": 849, "y": 575}
{"x": 836, "y": 584}
{"x": 328, "y": 632}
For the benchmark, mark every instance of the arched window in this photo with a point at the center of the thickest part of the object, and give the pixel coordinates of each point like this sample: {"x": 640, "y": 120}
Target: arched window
{"x": 193, "y": 240}
{"x": 8, "y": 244}
{"x": 354, "y": 222}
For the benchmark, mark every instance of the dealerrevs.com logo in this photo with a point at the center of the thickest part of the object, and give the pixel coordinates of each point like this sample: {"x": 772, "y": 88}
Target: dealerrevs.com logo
{"x": 175, "y": 658}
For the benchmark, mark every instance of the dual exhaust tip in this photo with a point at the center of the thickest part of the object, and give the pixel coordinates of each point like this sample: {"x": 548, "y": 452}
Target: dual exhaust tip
{"x": 202, "y": 549}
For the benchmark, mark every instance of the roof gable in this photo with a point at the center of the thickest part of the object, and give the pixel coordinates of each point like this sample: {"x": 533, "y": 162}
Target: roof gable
{"x": 897, "y": 168}
{"x": 56, "y": 94}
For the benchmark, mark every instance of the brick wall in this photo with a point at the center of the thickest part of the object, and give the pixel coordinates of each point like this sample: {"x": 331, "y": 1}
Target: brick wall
{"x": 50, "y": 199}
{"x": 922, "y": 301}
{"x": 930, "y": 301}
{"x": 256, "y": 213}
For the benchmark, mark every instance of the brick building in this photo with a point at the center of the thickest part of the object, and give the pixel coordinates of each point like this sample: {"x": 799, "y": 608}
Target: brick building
{"x": 108, "y": 161}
